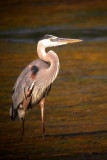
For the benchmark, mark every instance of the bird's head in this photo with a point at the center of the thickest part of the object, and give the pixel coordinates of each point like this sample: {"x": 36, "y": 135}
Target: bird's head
{"x": 51, "y": 41}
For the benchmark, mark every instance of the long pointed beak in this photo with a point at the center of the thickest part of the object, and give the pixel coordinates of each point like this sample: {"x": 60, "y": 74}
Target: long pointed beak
{"x": 67, "y": 40}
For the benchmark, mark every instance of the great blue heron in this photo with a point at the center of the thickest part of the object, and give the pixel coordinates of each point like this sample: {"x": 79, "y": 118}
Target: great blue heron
{"x": 34, "y": 83}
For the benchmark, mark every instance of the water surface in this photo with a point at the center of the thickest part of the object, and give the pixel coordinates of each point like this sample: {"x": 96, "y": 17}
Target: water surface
{"x": 76, "y": 108}
{"x": 31, "y": 36}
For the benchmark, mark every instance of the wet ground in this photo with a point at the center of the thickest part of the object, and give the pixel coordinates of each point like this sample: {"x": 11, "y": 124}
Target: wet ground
{"x": 76, "y": 108}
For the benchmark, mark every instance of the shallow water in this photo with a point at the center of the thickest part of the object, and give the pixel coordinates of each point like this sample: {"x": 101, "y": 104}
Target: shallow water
{"x": 76, "y": 108}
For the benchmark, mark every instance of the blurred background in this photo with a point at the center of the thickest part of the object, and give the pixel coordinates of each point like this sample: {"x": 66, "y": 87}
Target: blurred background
{"x": 76, "y": 108}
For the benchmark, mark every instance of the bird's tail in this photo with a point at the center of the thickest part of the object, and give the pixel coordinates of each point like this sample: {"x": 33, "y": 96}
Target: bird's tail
{"x": 13, "y": 114}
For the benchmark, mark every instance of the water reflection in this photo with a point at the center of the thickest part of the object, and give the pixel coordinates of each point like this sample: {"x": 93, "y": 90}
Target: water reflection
{"x": 31, "y": 36}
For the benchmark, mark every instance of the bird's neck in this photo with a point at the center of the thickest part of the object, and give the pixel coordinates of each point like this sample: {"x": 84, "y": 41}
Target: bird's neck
{"x": 41, "y": 51}
{"x": 52, "y": 58}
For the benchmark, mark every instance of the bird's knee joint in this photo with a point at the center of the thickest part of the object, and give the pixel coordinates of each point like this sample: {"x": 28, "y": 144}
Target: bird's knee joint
{"x": 42, "y": 102}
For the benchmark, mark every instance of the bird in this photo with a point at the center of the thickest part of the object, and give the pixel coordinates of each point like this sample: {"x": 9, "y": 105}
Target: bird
{"x": 34, "y": 83}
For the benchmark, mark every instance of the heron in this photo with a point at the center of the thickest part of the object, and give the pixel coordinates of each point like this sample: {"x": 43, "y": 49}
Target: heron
{"x": 34, "y": 83}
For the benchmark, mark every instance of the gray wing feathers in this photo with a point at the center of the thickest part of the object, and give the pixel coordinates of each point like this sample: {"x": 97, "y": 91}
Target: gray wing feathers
{"x": 25, "y": 81}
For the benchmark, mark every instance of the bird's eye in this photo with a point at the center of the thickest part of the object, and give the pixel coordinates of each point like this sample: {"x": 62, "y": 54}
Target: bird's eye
{"x": 51, "y": 39}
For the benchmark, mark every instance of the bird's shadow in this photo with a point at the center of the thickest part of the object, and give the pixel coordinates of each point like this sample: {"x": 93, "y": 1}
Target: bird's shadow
{"x": 77, "y": 134}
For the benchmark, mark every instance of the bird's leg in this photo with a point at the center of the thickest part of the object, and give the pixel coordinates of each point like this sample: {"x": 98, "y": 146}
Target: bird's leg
{"x": 22, "y": 130}
{"x": 25, "y": 105}
{"x": 42, "y": 103}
